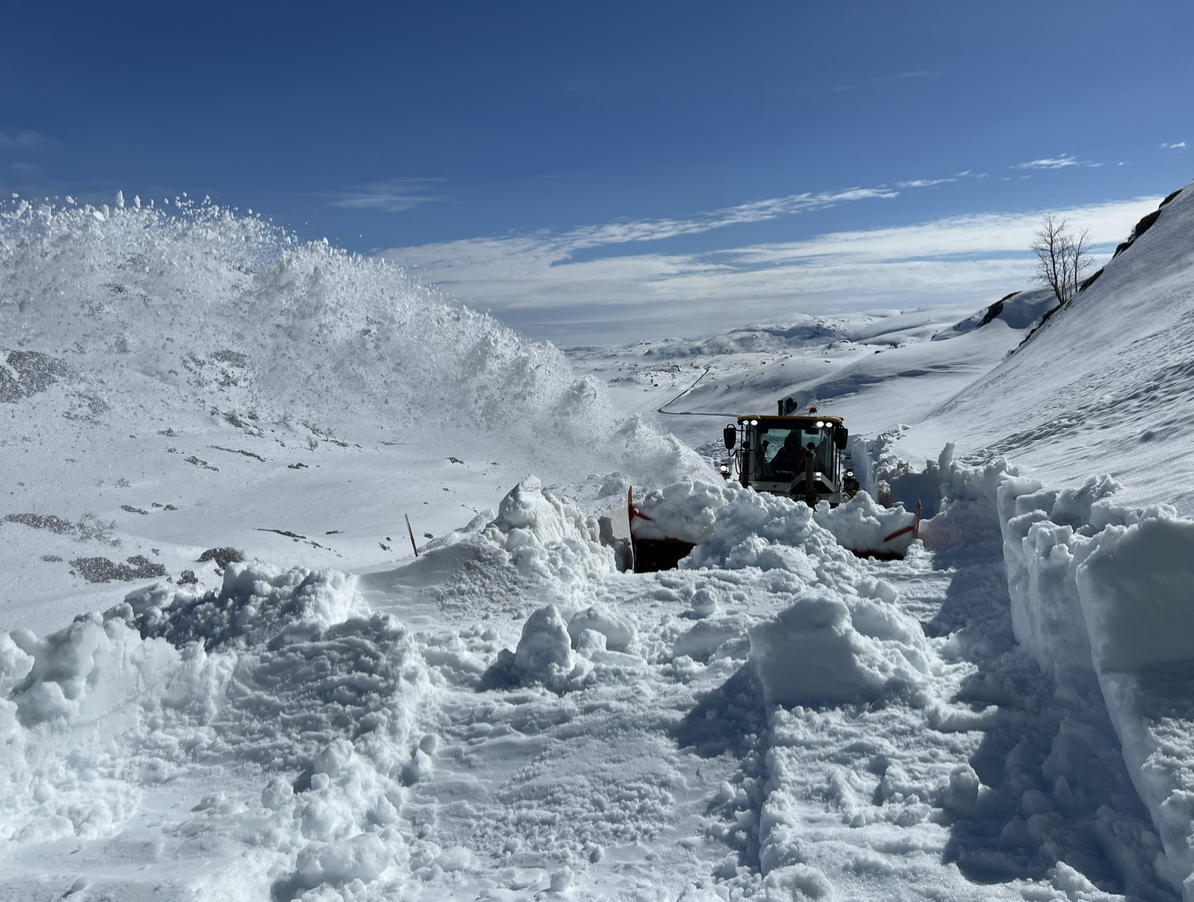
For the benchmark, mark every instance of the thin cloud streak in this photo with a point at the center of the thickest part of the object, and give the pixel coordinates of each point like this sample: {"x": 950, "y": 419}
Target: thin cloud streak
{"x": 26, "y": 138}
{"x": 1063, "y": 161}
{"x": 754, "y": 211}
{"x": 388, "y": 197}
{"x": 925, "y": 183}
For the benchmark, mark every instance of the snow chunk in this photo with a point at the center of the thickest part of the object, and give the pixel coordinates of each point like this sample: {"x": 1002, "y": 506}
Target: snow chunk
{"x": 362, "y": 857}
{"x": 545, "y": 643}
{"x": 797, "y": 881}
{"x": 618, "y": 629}
{"x": 15, "y": 664}
{"x": 544, "y": 655}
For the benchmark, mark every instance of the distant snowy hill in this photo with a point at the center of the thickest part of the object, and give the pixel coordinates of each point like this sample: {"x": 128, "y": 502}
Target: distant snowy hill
{"x": 877, "y": 370}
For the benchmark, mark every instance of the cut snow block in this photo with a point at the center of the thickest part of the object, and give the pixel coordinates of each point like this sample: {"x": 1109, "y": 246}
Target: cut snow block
{"x": 1137, "y": 595}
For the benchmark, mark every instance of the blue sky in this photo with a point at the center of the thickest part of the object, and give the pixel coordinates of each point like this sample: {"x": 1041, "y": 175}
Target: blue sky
{"x": 592, "y": 170}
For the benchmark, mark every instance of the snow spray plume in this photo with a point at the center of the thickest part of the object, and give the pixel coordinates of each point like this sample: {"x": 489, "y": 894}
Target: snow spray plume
{"x": 299, "y": 331}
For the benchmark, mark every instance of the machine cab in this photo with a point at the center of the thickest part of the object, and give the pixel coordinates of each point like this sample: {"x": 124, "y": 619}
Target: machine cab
{"x": 792, "y": 455}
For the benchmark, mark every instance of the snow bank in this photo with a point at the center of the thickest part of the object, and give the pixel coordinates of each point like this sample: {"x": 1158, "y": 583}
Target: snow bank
{"x": 968, "y": 510}
{"x": 891, "y": 479}
{"x": 1136, "y": 588}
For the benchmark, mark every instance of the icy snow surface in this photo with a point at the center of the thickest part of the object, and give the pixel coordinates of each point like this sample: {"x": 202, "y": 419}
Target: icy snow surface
{"x": 224, "y": 674}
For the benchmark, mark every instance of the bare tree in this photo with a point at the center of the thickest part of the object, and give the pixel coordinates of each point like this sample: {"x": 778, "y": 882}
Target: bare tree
{"x": 1061, "y": 257}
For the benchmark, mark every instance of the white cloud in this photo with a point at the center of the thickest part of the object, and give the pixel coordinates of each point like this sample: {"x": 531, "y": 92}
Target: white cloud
{"x": 24, "y": 138}
{"x": 753, "y": 211}
{"x": 1063, "y": 161}
{"x": 530, "y": 282}
{"x": 926, "y": 183}
{"x": 388, "y": 197}
{"x": 1180, "y": 145}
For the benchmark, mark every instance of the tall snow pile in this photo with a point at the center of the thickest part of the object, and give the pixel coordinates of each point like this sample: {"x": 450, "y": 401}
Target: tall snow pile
{"x": 548, "y": 536}
{"x": 246, "y": 319}
{"x": 1101, "y": 598}
{"x": 1100, "y": 592}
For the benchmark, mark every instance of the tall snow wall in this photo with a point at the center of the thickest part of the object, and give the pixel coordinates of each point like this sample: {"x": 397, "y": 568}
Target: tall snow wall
{"x": 1102, "y": 594}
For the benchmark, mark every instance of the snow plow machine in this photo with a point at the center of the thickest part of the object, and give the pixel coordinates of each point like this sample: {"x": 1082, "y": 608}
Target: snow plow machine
{"x": 801, "y": 455}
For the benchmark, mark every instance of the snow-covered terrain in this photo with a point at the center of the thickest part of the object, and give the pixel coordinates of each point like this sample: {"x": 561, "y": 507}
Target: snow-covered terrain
{"x": 224, "y": 674}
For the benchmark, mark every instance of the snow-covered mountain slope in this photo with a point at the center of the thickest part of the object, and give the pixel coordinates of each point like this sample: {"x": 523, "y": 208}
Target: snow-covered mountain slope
{"x": 1107, "y": 384}
{"x": 1002, "y": 715}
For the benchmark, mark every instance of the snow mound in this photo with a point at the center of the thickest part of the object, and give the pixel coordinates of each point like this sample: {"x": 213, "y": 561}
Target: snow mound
{"x": 827, "y": 650}
{"x": 256, "y": 604}
{"x": 768, "y": 532}
{"x": 863, "y": 526}
{"x": 549, "y": 539}
{"x": 544, "y": 655}
{"x": 684, "y": 510}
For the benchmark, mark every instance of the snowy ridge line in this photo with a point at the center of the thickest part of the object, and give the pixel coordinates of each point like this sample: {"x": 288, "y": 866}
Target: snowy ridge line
{"x": 1100, "y": 596}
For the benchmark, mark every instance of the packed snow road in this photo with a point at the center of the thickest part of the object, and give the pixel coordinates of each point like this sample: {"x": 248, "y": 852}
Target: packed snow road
{"x": 510, "y": 716}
